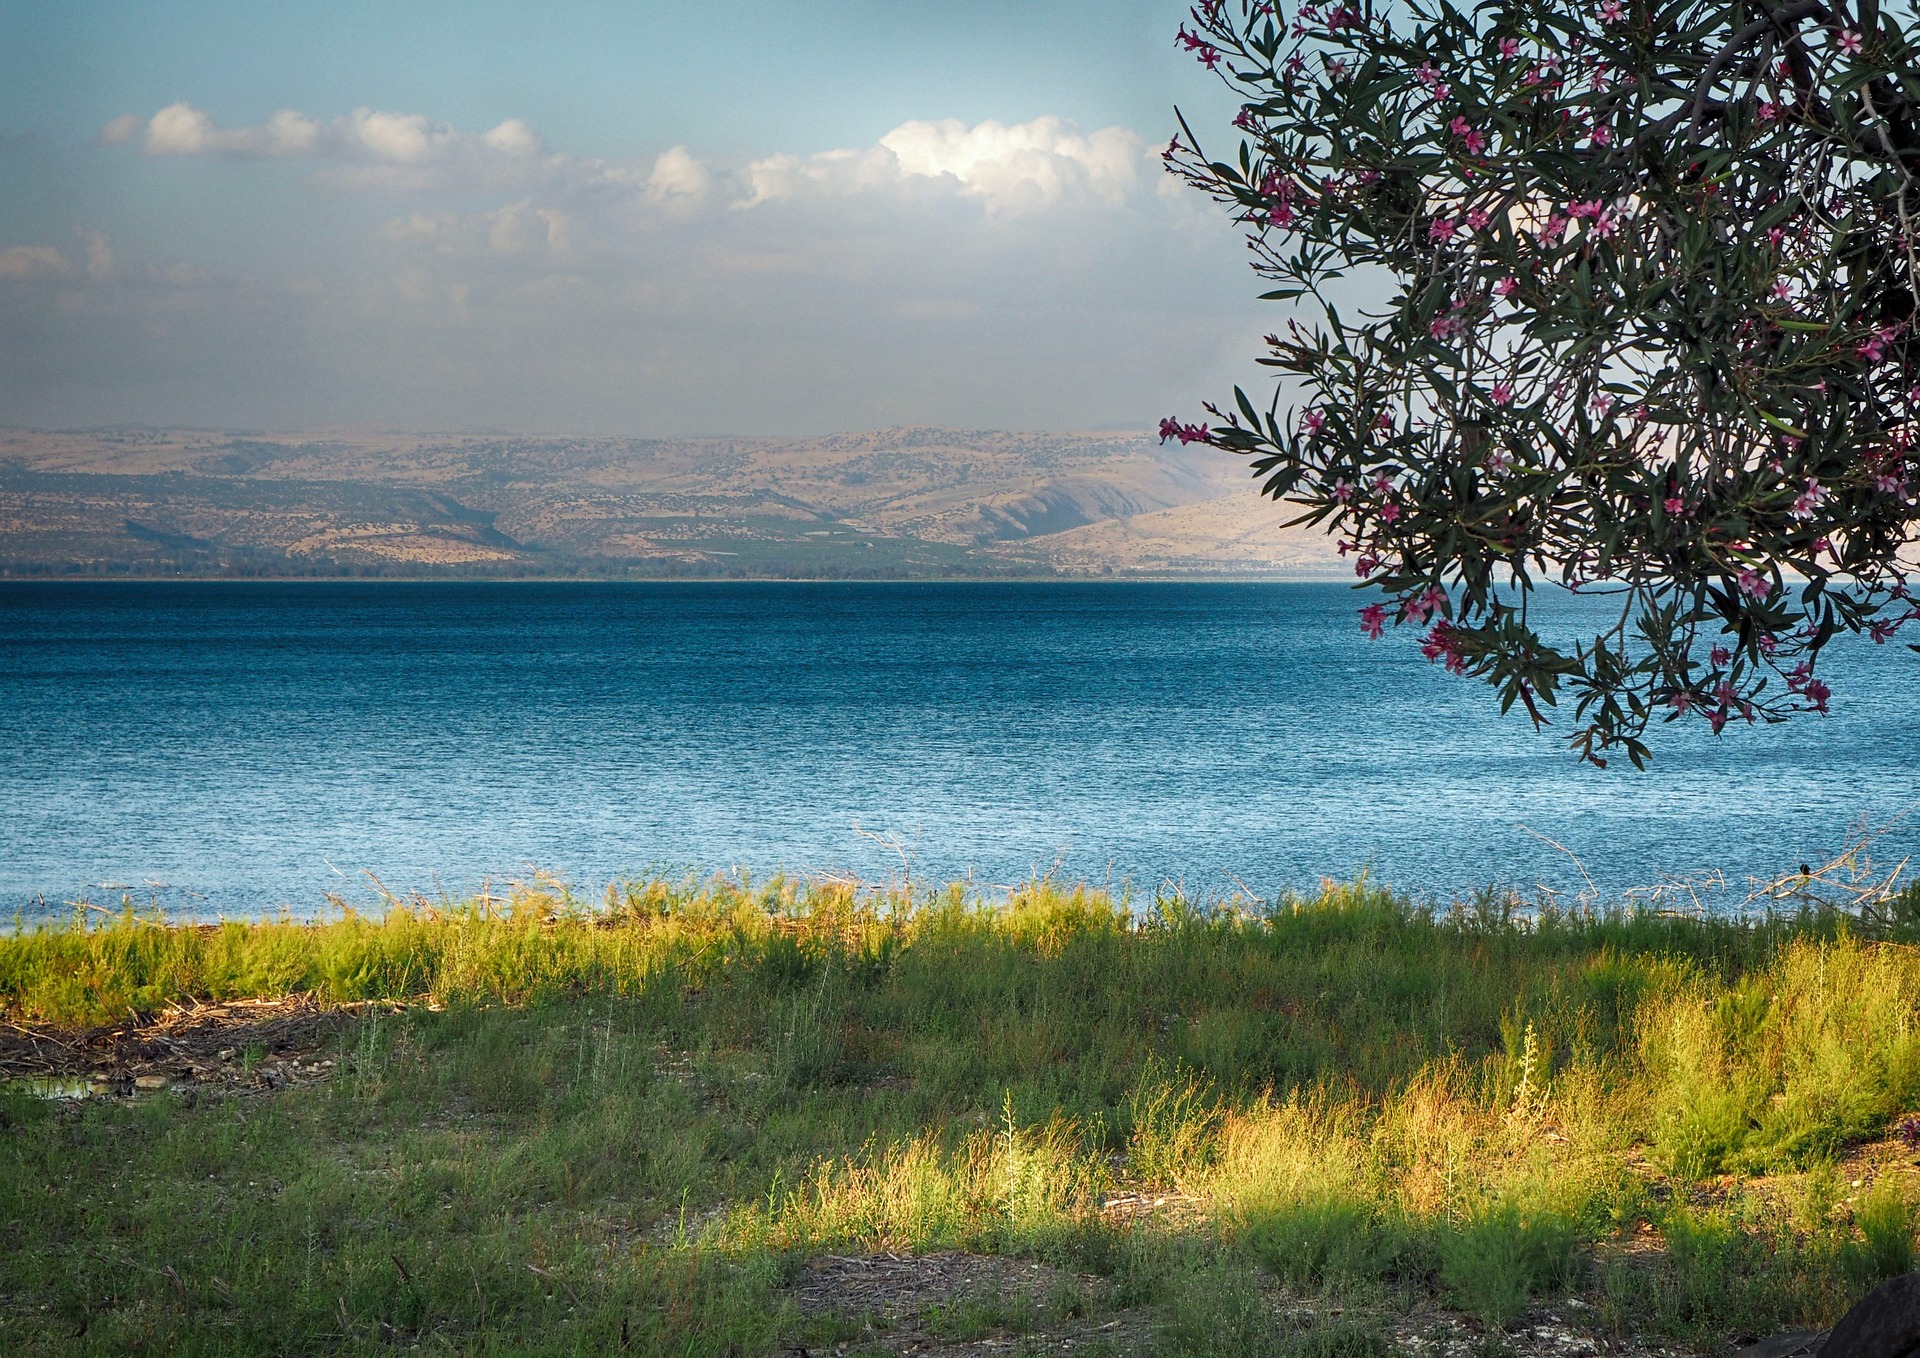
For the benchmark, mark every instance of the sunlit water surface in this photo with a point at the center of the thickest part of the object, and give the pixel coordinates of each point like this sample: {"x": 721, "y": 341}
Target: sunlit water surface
{"x": 239, "y": 749}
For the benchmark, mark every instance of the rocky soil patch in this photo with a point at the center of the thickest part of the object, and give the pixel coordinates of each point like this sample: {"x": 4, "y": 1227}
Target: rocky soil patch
{"x": 244, "y": 1046}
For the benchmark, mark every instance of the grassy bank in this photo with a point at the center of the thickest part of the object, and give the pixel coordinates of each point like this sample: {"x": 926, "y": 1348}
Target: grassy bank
{"x": 642, "y": 1124}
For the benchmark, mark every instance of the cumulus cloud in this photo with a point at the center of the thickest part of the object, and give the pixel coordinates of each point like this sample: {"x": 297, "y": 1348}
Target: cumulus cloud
{"x": 678, "y": 179}
{"x": 1037, "y": 162}
{"x": 1006, "y": 167}
{"x": 1009, "y": 167}
{"x": 23, "y": 263}
{"x": 369, "y": 137}
{"x": 182, "y": 130}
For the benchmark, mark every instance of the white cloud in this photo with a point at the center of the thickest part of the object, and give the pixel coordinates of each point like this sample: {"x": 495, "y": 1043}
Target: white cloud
{"x": 366, "y": 135}
{"x": 1009, "y": 167}
{"x": 180, "y": 129}
{"x": 515, "y": 138}
{"x": 1043, "y": 160}
{"x": 1006, "y": 167}
{"x": 21, "y": 263}
{"x": 678, "y": 179}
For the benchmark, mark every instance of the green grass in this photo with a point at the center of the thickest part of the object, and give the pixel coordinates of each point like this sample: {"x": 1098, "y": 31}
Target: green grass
{"x": 634, "y": 1124}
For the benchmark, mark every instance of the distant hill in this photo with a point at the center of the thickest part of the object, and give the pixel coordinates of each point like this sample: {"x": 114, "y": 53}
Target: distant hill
{"x": 910, "y": 502}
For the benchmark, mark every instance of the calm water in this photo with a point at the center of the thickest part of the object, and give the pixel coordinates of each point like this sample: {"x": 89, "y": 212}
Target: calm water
{"x": 241, "y": 748}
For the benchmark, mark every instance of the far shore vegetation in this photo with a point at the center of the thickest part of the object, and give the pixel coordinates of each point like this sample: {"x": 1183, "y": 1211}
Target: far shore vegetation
{"x": 692, "y": 1118}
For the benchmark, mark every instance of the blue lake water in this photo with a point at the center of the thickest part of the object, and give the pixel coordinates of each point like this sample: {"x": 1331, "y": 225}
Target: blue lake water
{"x": 241, "y": 748}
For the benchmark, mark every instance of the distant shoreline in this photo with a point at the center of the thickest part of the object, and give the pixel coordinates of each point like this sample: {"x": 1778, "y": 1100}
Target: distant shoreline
{"x": 1277, "y": 578}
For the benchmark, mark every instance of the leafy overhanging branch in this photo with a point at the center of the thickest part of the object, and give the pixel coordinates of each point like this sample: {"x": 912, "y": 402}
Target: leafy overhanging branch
{"x": 1652, "y": 331}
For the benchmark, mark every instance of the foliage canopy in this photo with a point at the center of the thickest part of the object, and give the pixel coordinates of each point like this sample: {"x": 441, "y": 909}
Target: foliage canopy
{"x": 1650, "y": 273}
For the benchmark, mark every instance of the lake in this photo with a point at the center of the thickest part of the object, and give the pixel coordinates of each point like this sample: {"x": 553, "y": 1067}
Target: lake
{"x": 245, "y": 748}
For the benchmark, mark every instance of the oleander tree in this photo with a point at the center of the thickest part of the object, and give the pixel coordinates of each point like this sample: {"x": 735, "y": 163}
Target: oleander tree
{"x": 1646, "y": 275}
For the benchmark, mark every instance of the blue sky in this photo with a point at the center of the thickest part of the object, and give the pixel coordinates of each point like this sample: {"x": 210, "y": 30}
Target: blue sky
{"x": 609, "y": 218}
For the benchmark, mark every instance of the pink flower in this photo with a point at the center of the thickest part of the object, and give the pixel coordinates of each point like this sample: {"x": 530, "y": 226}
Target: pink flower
{"x": 1502, "y": 394}
{"x": 1193, "y": 42}
{"x": 1675, "y": 505}
{"x": 1382, "y": 484}
{"x": 1343, "y": 491}
{"x": 1384, "y": 422}
{"x": 1681, "y": 701}
{"x": 1611, "y": 12}
{"x": 1782, "y": 290}
{"x": 1444, "y": 642}
{"x": 1477, "y": 219}
{"x": 1817, "y": 694}
{"x": 1313, "y": 422}
{"x": 1389, "y": 512}
{"x": 1774, "y": 234}
{"x": 1441, "y": 229}
{"x": 1373, "y": 621}
{"x": 1603, "y": 135}
{"x": 1810, "y": 500}
{"x": 1755, "y": 586}
{"x": 1850, "y": 43}
{"x": 1509, "y": 47}
{"x": 1418, "y": 610}
{"x": 1720, "y": 656}
{"x": 1768, "y": 110}
{"x": 1475, "y": 142}
{"x": 1505, "y": 287}
{"x": 1499, "y": 460}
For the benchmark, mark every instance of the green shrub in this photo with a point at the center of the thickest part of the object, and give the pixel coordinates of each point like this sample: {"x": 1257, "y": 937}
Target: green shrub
{"x": 1499, "y": 1258}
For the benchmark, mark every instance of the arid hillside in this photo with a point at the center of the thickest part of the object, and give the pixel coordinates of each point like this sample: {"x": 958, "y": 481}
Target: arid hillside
{"x": 893, "y": 502}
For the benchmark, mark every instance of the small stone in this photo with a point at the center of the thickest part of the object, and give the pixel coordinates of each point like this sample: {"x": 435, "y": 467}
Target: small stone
{"x": 147, "y": 1084}
{"x": 226, "y": 1053}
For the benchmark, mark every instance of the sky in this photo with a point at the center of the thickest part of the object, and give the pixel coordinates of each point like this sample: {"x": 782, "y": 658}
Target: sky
{"x": 742, "y": 216}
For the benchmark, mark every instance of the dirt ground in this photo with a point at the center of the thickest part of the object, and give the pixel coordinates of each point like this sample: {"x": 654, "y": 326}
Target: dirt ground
{"x": 953, "y": 1305}
{"x": 246, "y": 1046}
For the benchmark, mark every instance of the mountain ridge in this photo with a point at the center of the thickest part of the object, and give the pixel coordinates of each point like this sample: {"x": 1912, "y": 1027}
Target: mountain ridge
{"x": 902, "y": 501}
